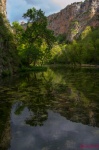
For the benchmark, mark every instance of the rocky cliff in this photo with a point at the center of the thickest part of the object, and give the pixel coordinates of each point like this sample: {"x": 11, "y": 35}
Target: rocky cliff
{"x": 3, "y": 7}
{"x": 73, "y": 19}
{"x": 8, "y": 53}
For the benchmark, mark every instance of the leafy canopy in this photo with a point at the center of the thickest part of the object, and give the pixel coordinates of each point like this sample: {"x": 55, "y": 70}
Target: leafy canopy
{"x": 37, "y": 34}
{"x": 36, "y": 40}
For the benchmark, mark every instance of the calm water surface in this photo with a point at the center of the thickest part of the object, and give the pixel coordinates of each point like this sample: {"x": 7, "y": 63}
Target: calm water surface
{"x": 53, "y": 110}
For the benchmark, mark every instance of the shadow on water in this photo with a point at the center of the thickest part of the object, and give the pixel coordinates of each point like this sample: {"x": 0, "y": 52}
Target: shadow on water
{"x": 54, "y": 107}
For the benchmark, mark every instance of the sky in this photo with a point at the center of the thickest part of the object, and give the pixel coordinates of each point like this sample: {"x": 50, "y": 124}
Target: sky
{"x": 16, "y": 8}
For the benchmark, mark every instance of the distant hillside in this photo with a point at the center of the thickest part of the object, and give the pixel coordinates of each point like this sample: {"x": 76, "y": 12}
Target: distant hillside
{"x": 73, "y": 19}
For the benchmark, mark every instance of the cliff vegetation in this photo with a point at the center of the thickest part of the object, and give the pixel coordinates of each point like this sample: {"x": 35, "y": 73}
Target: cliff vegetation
{"x": 8, "y": 53}
{"x": 84, "y": 50}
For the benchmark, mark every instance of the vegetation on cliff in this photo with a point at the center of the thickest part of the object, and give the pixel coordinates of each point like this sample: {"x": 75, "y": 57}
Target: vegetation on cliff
{"x": 85, "y": 50}
{"x": 74, "y": 18}
{"x": 8, "y": 53}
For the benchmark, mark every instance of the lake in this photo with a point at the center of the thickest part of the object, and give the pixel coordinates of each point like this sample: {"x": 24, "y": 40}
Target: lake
{"x": 53, "y": 110}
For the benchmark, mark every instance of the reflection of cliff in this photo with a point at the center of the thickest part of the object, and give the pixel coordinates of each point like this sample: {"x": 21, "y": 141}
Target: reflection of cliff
{"x": 73, "y": 105}
{"x": 78, "y": 101}
{"x": 5, "y": 135}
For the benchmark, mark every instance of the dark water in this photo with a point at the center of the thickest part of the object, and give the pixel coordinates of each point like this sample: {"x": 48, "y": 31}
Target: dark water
{"x": 53, "y": 110}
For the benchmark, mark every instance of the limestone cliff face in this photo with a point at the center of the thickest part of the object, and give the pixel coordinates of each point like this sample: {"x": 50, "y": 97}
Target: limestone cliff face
{"x": 8, "y": 53}
{"x": 73, "y": 19}
{"x": 3, "y": 7}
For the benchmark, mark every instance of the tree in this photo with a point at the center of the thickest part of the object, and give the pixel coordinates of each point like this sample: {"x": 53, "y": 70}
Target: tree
{"x": 35, "y": 35}
{"x": 86, "y": 32}
{"x": 18, "y": 31}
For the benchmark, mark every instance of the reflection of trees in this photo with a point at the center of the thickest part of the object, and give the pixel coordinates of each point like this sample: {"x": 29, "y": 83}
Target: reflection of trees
{"x": 80, "y": 104}
{"x": 38, "y": 112}
{"x": 35, "y": 92}
{"x": 63, "y": 92}
{"x": 38, "y": 118}
{"x": 5, "y": 136}
{"x": 6, "y": 98}
{"x": 72, "y": 93}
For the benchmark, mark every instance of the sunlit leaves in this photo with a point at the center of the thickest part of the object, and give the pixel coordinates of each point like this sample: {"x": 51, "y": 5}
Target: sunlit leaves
{"x": 86, "y": 32}
{"x": 83, "y": 51}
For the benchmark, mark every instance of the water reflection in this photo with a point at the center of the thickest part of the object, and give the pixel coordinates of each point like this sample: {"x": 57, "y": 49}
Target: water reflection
{"x": 57, "y": 133}
{"x": 44, "y": 107}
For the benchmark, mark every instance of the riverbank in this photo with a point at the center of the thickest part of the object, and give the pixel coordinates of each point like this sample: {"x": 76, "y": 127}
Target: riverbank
{"x": 44, "y": 68}
{"x": 75, "y": 66}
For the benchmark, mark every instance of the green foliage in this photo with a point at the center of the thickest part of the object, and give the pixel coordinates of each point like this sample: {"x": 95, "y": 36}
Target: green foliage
{"x": 35, "y": 35}
{"x": 83, "y": 51}
{"x": 86, "y": 32}
{"x": 61, "y": 38}
{"x": 18, "y": 30}
{"x": 8, "y": 54}
{"x": 6, "y": 73}
{"x": 35, "y": 42}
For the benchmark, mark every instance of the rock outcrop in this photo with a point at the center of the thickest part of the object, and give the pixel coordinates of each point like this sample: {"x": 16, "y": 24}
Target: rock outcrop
{"x": 73, "y": 19}
{"x": 8, "y": 53}
{"x": 3, "y": 7}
